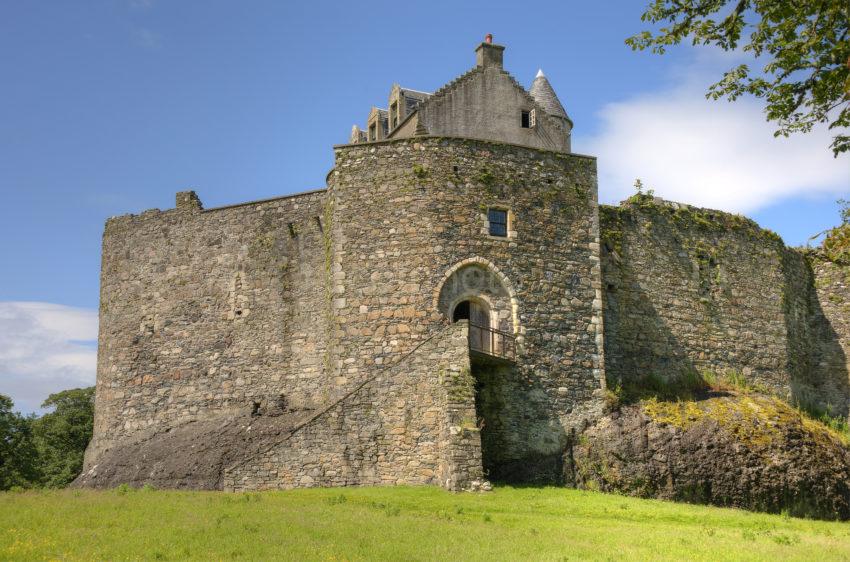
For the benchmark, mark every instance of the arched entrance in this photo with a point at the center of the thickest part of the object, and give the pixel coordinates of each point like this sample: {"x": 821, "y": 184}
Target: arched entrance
{"x": 478, "y": 313}
{"x": 474, "y": 290}
{"x": 478, "y": 281}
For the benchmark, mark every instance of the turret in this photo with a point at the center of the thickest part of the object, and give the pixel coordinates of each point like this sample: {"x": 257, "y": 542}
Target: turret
{"x": 544, "y": 94}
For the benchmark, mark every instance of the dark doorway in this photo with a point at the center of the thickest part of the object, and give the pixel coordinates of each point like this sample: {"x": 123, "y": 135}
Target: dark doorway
{"x": 478, "y": 314}
{"x": 461, "y": 312}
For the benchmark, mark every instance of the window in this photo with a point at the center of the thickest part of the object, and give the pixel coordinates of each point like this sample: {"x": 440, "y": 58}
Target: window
{"x": 373, "y": 132}
{"x": 394, "y": 114}
{"x": 498, "y": 219}
{"x": 525, "y": 120}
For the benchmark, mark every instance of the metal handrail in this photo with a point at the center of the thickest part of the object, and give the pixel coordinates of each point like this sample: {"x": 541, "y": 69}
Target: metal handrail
{"x": 492, "y": 341}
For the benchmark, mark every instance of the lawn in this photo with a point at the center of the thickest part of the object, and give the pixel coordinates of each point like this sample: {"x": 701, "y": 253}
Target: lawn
{"x": 397, "y": 524}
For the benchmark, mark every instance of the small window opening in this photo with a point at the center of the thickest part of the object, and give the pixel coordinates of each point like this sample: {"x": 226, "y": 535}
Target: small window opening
{"x": 373, "y": 132}
{"x": 525, "y": 120}
{"x": 319, "y": 223}
{"x": 498, "y": 219}
{"x": 293, "y": 232}
{"x": 709, "y": 274}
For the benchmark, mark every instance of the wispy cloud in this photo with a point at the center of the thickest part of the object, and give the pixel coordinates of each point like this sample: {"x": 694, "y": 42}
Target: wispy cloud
{"x": 147, "y": 38}
{"x": 141, "y": 4}
{"x": 45, "y": 348}
{"x": 710, "y": 153}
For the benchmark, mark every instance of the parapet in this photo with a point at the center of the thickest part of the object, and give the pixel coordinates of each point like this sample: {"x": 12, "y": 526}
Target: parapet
{"x": 188, "y": 201}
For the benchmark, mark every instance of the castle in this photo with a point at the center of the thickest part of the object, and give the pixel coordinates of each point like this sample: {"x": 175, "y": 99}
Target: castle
{"x": 446, "y": 311}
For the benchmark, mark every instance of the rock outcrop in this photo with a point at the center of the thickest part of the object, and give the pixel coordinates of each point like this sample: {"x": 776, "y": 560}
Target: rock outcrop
{"x": 193, "y": 456}
{"x": 741, "y": 450}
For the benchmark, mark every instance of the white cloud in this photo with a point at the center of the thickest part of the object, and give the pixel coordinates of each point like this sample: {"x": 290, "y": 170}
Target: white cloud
{"x": 45, "y": 348}
{"x": 715, "y": 154}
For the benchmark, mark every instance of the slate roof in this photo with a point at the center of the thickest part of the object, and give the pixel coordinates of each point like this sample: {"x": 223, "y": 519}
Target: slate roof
{"x": 418, "y": 94}
{"x": 543, "y": 93}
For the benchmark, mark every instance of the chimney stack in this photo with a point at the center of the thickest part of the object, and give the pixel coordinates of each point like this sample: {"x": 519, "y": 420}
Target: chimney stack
{"x": 488, "y": 54}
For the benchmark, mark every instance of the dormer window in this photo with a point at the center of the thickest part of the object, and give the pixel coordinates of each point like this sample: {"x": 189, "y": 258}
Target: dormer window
{"x": 373, "y": 132}
{"x": 394, "y": 115}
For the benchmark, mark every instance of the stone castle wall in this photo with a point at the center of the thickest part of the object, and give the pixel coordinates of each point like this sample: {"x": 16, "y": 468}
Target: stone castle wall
{"x": 409, "y": 423}
{"x": 829, "y": 321}
{"x": 204, "y": 311}
{"x": 406, "y": 214}
{"x": 291, "y": 304}
{"x": 334, "y": 307}
{"x": 691, "y": 290}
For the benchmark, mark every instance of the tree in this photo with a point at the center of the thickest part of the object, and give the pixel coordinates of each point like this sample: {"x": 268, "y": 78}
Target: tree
{"x": 844, "y": 210}
{"x": 806, "y": 76}
{"x": 836, "y": 243}
{"x": 62, "y": 435}
{"x": 18, "y": 454}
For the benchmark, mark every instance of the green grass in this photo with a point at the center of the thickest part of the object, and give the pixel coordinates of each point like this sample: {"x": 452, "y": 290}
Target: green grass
{"x": 397, "y": 524}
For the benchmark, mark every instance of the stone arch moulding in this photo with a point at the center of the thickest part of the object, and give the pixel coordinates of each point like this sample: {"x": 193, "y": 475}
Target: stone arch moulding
{"x": 492, "y": 269}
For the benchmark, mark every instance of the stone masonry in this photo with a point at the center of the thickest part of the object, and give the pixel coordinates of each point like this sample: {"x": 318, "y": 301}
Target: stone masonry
{"x": 446, "y": 311}
{"x": 690, "y": 290}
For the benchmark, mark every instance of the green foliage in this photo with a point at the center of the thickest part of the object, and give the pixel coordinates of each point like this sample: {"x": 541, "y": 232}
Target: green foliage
{"x": 399, "y": 523}
{"x": 486, "y": 177}
{"x": 836, "y": 244}
{"x": 420, "y": 171}
{"x": 612, "y": 398}
{"x": 844, "y": 210}
{"x": 62, "y": 435}
{"x": 825, "y": 415}
{"x": 18, "y": 454}
{"x": 611, "y": 228}
{"x": 752, "y": 418}
{"x": 686, "y": 216}
{"x": 806, "y": 76}
{"x": 687, "y": 385}
{"x": 639, "y": 190}
{"x": 46, "y": 451}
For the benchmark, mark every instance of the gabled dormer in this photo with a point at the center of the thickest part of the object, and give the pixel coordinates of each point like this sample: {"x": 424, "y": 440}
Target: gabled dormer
{"x": 377, "y": 126}
{"x": 402, "y": 102}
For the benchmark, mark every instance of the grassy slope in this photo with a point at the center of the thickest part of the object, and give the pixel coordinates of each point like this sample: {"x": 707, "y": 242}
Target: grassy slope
{"x": 397, "y": 524}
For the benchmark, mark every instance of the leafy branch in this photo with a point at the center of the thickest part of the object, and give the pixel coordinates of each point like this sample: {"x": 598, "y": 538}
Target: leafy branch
{"x": 805, "y": 79}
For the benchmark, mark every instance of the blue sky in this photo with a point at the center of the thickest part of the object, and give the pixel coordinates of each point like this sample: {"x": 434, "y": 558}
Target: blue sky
{"x": 111, "y": 106}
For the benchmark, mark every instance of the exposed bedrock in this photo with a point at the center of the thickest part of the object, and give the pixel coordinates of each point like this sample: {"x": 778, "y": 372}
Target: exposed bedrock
{"x": 739, "y": 450}
{"x": 194, "y": 455}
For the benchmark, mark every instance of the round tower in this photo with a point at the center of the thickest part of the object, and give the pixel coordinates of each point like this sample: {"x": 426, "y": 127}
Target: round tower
{"x": 544, "y": 94}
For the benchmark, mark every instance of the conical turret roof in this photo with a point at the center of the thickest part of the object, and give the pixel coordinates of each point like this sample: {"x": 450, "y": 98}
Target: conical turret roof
{"x": 543, "y": 93}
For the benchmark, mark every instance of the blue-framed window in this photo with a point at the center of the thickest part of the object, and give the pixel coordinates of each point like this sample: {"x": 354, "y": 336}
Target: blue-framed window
{"x": 498, "y": 219}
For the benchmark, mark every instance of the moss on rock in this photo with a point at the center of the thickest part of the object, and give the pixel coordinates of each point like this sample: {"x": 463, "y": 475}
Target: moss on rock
{"x": 738, "y": 449}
